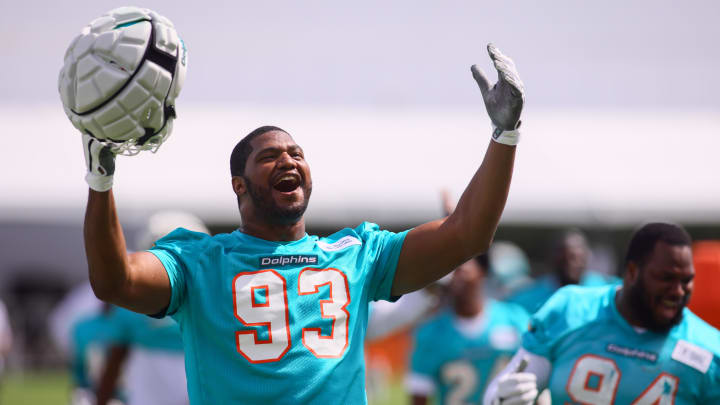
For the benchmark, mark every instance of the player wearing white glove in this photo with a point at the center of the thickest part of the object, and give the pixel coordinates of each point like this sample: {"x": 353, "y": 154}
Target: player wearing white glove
{"x": 504, "y": 101}
{"x": 100, "y": 163}
{"x": 272, "y": 182}
{"x": 519, "y": 382}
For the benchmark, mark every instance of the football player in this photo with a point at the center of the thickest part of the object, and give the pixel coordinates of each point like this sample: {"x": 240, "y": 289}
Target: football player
{"x": 636, "y": 343}
{"x": 457, "y": 352}
{"x": 570, "y": 255}
{"x": 270, "y": 314}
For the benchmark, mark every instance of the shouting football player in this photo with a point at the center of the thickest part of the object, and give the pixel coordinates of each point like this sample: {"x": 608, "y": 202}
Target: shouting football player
{"x": 268, "y": 313}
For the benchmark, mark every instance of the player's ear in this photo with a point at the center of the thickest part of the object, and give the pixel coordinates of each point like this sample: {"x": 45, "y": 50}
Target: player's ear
{"x": 239, "y": 185}
{"x": 631, "y": 272}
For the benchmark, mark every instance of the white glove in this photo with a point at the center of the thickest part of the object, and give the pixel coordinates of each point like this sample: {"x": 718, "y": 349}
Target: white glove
{"x": 517, "y": 388}
{"x": 504, "y": 101}
{"x": 100, "y": 163}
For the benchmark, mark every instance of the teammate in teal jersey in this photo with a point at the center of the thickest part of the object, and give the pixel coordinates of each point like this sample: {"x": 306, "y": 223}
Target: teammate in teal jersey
{"x": 570, "y": 258}
{"x": 148, "y": 354}
{"x": 458, "y": 351}
{"x": 90, "y": 337}
{"x": 636, "y": 343}
{"x": 269, "y": 314}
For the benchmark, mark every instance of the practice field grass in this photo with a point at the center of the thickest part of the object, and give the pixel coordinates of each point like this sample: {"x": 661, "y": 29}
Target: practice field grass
{"x": 35, "y": 388}
{"x": 52, "y": 388}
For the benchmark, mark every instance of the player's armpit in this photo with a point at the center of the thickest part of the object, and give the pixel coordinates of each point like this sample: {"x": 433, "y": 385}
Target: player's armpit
{"x": 136, "y": 281}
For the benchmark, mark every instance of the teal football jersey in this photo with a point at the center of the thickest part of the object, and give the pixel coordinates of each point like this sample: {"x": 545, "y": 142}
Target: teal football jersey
{"x": 534, "y": 296}
{"x": 461, "y": 363}
{"x": 90, "y": 337}
{"x": 598, "y": 358}
{"x": 131, "y": 328}
{"x": 277, "y": 322}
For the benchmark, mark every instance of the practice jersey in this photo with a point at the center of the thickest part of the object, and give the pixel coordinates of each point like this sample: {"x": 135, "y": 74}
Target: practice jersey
{"x": 133, "y": 329}
{"x": 455, "y": 361}
{"x": 155, "y": 371}
{"x": 90, "y": 337}
{"x": 277, "y": 322}
{"x": 534, "y": 296}
{"x": 599, "y": 358}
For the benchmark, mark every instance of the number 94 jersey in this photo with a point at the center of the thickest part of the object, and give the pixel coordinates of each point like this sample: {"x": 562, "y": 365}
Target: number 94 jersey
{"x": 598, "y": 358}
{"x": 277, "y": 322}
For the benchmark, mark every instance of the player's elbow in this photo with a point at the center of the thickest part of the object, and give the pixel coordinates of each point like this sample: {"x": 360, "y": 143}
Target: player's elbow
{"x": 102, "y": 290}
{"x": 474, "y": 237}
{"x": 105, "y": 290}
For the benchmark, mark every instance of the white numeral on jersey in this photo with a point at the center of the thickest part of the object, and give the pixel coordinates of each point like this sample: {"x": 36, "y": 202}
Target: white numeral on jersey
{"x": 309, "y": 282}
{"x": 463, "y": 379}
{"x": 661, "y": 392}
{"x": 260, "y": 299}
{"x": 593, "y": 380}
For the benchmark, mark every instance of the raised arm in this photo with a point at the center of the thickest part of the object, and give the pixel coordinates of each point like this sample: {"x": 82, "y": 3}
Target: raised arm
{"x": 433, "y": 249}
{"x": 136, "y": 281}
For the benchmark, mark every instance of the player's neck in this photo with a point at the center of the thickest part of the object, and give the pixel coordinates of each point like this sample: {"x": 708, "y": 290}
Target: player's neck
{"x": 468, "y": 308}
{"x": 275, "y": 233}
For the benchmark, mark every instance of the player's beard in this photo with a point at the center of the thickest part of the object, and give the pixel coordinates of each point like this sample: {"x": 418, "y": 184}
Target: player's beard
{"x": 271, "y": 211}
{"x": 641, "y": 304}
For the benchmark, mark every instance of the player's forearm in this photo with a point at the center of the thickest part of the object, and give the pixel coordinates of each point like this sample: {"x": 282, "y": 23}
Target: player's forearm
{"x": 111, "y": 373}
{"x": 419, "y": 400}
{"x": 105, "y": 246}
{"x": 478, "y": 212}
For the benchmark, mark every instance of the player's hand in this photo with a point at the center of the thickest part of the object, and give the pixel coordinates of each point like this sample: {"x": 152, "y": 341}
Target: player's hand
{"x": 504, "y": 100}
{"x": 100, "y": 163}
{"x": 518, "y": 388}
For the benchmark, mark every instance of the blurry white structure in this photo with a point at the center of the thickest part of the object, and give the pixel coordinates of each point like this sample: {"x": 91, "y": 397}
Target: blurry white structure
{"x": 579, "y": 167}
{"x": 162, "y": 223}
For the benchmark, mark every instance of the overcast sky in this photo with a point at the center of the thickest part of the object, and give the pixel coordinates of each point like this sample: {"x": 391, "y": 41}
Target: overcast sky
{"x": 645, "y": 54}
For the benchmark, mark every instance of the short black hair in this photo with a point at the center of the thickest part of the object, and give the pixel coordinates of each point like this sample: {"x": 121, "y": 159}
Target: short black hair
{"x": 644, "y": 240}
{"x": 484, "y": 262}
{"x": 239, "y": 155}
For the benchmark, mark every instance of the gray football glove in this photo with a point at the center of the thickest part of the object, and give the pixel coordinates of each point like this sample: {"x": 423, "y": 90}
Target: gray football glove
{"x": 100, "y": 163}
{"x": 504, "y": 101}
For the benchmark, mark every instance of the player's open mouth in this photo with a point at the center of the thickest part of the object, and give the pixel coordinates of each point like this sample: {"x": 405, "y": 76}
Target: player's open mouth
{"x": 287, "y": 183}
{"x": 670, "y": 307}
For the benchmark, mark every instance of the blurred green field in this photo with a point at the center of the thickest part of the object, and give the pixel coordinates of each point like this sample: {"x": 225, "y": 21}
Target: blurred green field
{"x": 52, "y": 388}
{"x": 35, "y": 388}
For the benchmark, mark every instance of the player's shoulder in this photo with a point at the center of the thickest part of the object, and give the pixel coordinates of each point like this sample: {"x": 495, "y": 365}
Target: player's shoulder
{"x": 537, "y": 292}
{"x": 437, "y": 323}
{"x": 509, "y": 312}
{"x": 593, "y": 278}
{"x": 183, "y": 236}
{"x": 696, "y": 331}
{"x": 365, "y": 232}
{"x": 574, "y": 306}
